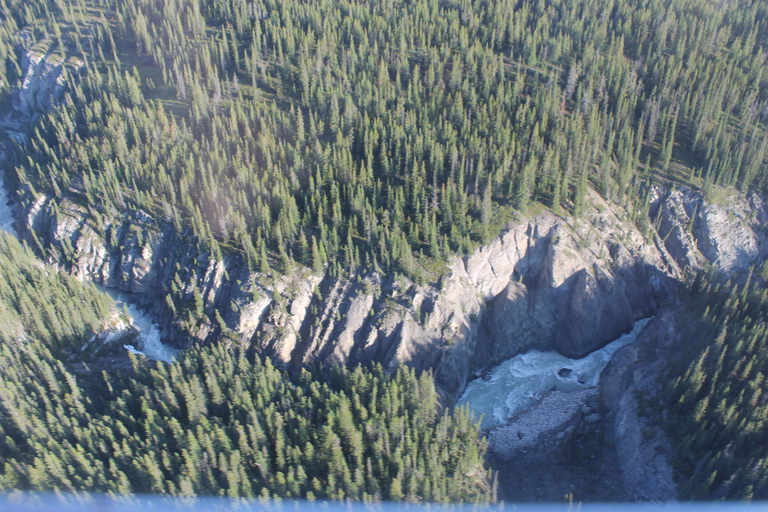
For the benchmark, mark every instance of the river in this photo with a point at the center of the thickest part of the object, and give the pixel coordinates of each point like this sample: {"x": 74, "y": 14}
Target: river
{"x": 521, "y": 382}
{"x": 6, "y": 212}
{"x": 149, "y": 332}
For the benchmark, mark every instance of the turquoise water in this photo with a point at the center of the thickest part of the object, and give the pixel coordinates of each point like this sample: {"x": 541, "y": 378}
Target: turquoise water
{"x": 521, "y": 382}
{"x": 6, "y": 214}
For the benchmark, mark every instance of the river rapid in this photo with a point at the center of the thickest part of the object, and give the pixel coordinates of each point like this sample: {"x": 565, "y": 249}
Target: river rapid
{"x": 520, "y": 383}
{"x": 149, "y": 332}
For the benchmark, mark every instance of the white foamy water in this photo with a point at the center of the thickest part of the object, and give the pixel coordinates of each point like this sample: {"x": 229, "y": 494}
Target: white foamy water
{"x": 521, "y": 382}
{"x": 149, "y": 332}
{"x": 6, "y": 212}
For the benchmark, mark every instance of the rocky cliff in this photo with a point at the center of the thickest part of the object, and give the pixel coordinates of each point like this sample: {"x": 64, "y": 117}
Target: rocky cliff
{"x": 46, "y": 70}
{"x": 630, "y": 388}
{"x": 729, "y": 233}
{"x": 545, "y": 282}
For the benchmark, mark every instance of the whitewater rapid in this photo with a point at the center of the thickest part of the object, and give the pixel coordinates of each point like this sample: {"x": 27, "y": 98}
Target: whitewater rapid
{"x": 6, "y": 212}
{"x": 149, "y": 332}
{"x": 521, "y": 382}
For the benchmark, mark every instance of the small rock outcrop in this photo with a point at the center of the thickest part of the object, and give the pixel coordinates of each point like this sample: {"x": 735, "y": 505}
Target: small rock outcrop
{"x": 46, "y": 67}
{"x": 730, "y": 234}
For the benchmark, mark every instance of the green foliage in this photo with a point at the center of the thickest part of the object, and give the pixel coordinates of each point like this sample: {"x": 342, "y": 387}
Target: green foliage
{"x": 36, "y": 302}
{"x": 717, "y": 392}
{"x": 386, "y": 132}
{"x": 337, "y": 134}
{"x": 218, "y": 423}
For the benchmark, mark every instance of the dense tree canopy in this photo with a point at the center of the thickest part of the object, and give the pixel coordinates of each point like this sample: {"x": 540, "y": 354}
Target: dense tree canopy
{"x": 380, "y": 131}
{"x": 218, "y": 423}
{"x": 360, "y": 132}
{"x": 214, "y": 423}
{"x": 717, "y": 392}
{"x": 38, "y": 302}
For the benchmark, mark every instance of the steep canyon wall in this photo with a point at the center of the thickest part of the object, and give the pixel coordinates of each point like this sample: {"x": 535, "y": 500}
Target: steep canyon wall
{"x": 545, "y": 282}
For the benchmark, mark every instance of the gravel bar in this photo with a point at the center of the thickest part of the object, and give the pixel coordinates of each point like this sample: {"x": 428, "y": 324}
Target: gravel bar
{"x": 551, "y": 413}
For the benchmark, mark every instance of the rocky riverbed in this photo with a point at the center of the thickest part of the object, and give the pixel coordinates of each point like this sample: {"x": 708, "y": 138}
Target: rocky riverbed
{"x": 553, "y": 414}
{"x": 593, "y": 444}
{"x": 566, "y": 452}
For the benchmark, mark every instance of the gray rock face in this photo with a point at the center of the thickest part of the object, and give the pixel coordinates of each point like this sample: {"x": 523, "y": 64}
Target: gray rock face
{"x": 546, "y": 282}
{"x": 632, "y": 376}
{"x": 573, "y": 286}
{"x": 45, "y": 76}
{"x": 730, "y": 235}
{"x": 45, "y": 73}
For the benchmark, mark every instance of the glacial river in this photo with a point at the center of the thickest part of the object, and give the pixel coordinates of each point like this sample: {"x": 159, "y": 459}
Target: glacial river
{"x": 149, "y": 332}
{"x": 521, "y": 382}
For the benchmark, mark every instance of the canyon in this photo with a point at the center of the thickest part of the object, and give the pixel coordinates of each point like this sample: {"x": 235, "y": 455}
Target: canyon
{"x": 547, "y": 282}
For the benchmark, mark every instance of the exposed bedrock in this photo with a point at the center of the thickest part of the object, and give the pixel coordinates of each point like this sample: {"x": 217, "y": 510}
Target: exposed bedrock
{"x": 546, "y": 282}
{"x": 631, "y": 380}
{"x": 46, "y": 70}
{"x": 729, "y": 233}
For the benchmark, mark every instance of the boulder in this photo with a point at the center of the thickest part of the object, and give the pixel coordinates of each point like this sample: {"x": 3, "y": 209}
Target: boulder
{"x": 593, "y": 418}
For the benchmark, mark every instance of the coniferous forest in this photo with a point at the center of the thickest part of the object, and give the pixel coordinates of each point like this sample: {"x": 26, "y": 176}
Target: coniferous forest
{"x": 716, "y": 392}
{"x": 374, "y": 132}
{"x": 216, "y": 423}
{"x": 334, "y": 135}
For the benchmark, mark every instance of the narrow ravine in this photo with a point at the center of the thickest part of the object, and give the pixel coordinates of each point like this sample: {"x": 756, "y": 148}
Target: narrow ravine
{"x": 149, "y": 332}
{"x": 520, "y": 383}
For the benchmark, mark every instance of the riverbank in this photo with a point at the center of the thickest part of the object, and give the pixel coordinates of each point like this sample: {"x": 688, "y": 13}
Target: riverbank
{"x": 565, "y": 452}
{"x": 552, "y": 415}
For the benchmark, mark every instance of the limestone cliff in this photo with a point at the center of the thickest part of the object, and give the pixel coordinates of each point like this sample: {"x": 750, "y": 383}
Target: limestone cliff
{"x": 729, "y": 233}
{"x": 46, "y": 69}
{"x": 546, "y": 282}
